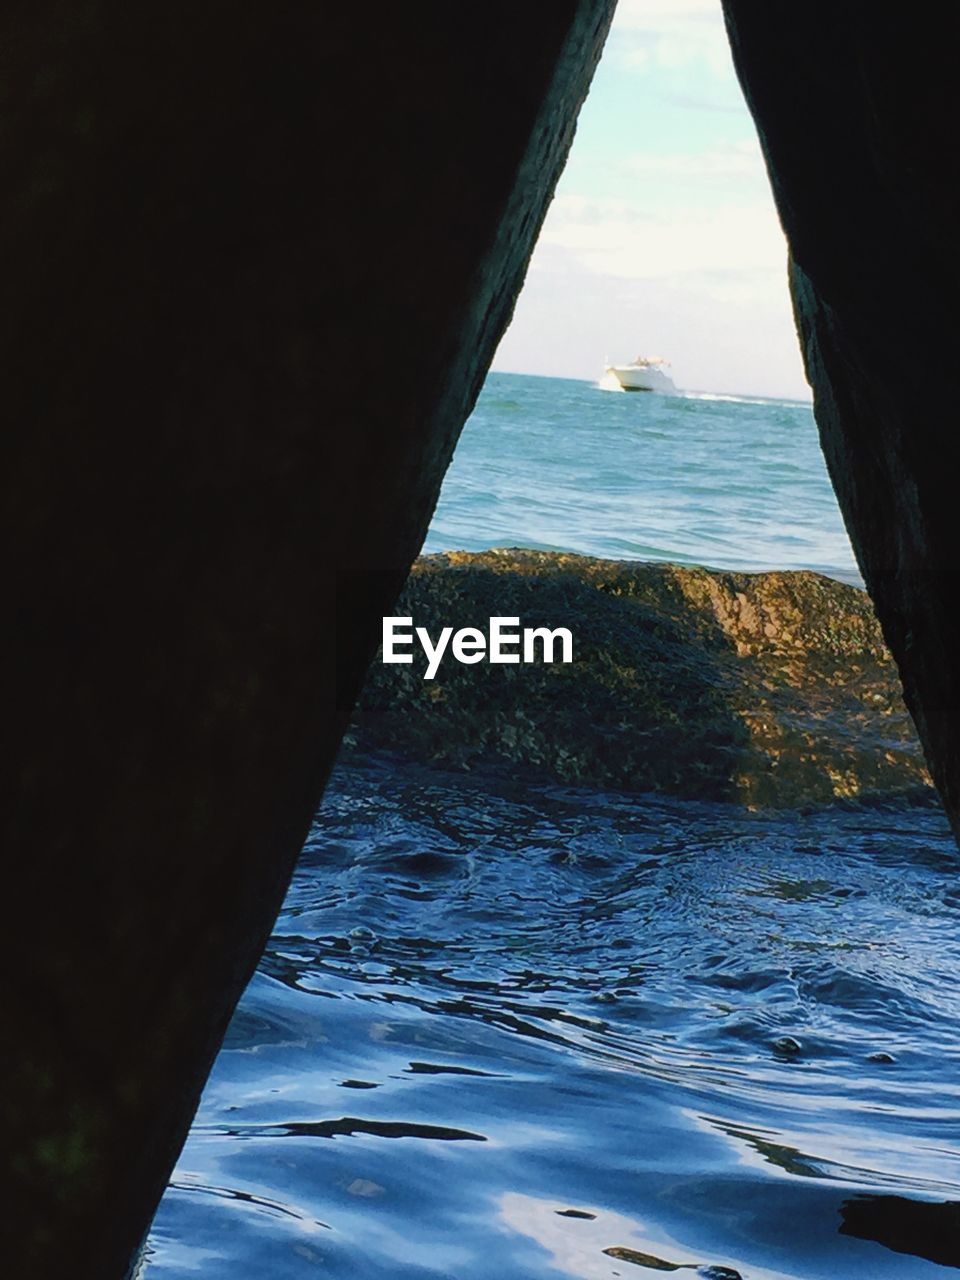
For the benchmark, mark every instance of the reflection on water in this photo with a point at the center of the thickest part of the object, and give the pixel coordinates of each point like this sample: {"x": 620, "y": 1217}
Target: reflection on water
{"x": 581, "y": 1247}
{"x": 514, "y": 1030}
{"x": 909, "y": 1226}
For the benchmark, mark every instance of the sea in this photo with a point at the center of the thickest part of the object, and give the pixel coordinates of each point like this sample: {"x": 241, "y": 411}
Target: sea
{"x": 729, "y": 482}
{"x": 512, "y": 1030}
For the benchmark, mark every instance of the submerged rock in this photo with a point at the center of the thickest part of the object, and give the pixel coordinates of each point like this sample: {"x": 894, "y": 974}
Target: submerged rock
{"x": 787, "y": 1045}
{"x": 651, "y": 1262}
{"x": 770, "y": 689}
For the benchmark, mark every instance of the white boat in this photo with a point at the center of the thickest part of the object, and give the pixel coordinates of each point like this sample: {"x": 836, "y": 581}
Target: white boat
{"x": 646, "y": 373}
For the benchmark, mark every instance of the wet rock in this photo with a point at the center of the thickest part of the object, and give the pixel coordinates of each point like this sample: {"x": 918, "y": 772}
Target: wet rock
{"x": 856, "y": 109}
{"x": 648, "y": 1260}
{"x": 768, "y": 689}
{"x": 787, "y": 1046}
{"x": 651, "y": 1262}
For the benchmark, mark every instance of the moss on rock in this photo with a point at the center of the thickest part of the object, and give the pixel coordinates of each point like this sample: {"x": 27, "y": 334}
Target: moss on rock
{"x": 769, "y": 689}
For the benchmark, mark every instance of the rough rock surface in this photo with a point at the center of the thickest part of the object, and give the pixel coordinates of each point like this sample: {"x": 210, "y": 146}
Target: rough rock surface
{"x": 770, "y": 689}
{"x": 256, "y": 258}
{"x": 856, "y": 106}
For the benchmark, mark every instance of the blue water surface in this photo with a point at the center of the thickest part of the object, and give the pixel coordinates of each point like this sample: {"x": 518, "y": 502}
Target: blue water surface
{"x": 506, "y": 1030}
{"x": 732, "y": 483}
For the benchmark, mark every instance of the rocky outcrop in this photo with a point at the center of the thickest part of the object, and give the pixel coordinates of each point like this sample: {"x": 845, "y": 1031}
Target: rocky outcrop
{"x": 768, "y": 689}
{"x": 856, "y": 109}
{"x": 214, "y": 218}
{"x": 256, "y": 260}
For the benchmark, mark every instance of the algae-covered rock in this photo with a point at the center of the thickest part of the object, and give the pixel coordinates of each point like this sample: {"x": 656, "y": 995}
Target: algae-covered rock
{"x": 771, "y": 689}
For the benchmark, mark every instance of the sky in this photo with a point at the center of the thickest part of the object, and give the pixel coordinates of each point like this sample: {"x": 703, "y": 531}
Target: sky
{"x": 662, "y": 238}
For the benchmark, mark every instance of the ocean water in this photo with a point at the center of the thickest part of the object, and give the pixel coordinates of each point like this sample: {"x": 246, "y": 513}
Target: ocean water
{"x": 727, "y": 482}
{"x": 508, "y": 1030}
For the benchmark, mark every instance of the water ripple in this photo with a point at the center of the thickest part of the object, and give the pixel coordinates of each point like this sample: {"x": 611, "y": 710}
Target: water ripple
{"x": 618, "y": 1033}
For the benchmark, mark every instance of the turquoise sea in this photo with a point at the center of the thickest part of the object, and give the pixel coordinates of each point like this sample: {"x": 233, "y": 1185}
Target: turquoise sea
{"x": 509, "y": 1030}
{"x": 723, "y": 481}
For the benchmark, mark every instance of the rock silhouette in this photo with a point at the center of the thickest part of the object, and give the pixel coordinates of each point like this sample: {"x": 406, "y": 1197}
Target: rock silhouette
{"x": 856, "y": 110}
{"x": 256, "y": 260}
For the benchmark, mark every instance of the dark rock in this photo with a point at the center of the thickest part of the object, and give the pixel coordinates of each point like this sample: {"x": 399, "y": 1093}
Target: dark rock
{"x": 770, "y": 689}
{"x": 256, "y": 260}
{"x": 856, "y": 106}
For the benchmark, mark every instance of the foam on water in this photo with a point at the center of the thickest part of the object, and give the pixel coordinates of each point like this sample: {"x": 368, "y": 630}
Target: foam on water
{"x": 730, "y": 399}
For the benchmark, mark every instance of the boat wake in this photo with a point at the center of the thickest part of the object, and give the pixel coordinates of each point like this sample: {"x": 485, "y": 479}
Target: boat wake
{"x": 731, "y": 399}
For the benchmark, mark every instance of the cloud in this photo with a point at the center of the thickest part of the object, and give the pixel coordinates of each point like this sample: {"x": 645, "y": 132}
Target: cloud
{"x": 663, "y": 230}
{"x": 658, "y": 13}
{"x": 671, "y": 35}
{"x": 732, "y": 161}
{"x": 723, "y": 330}
{"x": 646, "y": 15}
{"x": 611, "y": 237}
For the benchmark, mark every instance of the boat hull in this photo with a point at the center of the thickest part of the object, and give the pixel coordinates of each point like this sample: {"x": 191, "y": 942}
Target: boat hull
{"x": 638, "y": 378}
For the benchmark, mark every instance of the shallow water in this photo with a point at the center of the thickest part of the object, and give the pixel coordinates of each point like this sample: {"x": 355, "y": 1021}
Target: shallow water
{"x": 506, "y": 1029}
{"x": 714, "y": 480}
